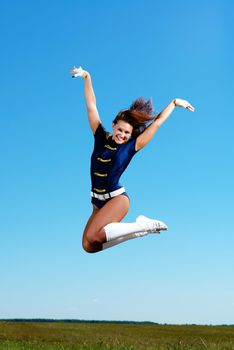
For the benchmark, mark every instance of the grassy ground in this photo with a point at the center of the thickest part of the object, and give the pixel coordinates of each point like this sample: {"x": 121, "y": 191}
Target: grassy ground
{"x": 110, "y": 336}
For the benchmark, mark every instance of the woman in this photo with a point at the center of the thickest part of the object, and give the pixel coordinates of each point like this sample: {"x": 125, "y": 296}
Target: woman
{"x": 133, "y": 128}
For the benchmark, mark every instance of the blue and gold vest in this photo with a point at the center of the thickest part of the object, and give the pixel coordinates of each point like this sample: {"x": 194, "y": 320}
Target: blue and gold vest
{"x": 108, "y": 161}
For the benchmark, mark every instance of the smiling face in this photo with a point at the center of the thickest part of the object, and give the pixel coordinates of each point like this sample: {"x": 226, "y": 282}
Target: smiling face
{"x": 122, "y": 132}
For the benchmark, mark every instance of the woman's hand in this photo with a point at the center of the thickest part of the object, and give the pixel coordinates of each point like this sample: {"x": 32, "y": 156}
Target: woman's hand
{"x": 78, "y": 72}
{"x": 183, "y": 103}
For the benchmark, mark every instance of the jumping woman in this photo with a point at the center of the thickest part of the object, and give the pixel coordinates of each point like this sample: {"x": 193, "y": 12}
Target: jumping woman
{"x": 133, "y": 128}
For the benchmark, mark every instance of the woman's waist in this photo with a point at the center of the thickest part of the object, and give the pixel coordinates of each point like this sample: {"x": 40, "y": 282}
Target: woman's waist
{"x": 101, "y": 188}
{"x": 107, "y": 195}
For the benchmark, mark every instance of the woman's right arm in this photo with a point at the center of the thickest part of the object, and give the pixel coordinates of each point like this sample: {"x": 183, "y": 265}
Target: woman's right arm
{"x": 90, "y": 99}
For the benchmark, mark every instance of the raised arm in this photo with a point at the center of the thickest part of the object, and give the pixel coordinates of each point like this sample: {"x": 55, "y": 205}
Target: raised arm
{"x": 149, "y": 132}
{"x": 90, "y": 99}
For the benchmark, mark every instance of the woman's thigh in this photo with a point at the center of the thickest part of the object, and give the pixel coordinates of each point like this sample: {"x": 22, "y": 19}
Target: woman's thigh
{"x": 92, "y": 216}
{"x": 113, "y": 211}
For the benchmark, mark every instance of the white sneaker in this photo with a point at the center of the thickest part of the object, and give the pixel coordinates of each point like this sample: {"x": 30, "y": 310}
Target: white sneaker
{"x": 150, "y": 225}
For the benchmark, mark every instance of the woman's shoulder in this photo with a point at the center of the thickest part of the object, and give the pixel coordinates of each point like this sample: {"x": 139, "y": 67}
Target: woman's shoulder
{"x": 101, "y": 132}
{"x": 130, "y": 146}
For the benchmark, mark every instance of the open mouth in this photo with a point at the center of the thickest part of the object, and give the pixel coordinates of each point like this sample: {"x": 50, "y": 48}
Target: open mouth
{"x": 119, "y": 138}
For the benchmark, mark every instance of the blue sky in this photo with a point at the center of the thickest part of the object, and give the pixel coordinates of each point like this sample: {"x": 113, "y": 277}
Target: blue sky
{"x": 155, "y": 49}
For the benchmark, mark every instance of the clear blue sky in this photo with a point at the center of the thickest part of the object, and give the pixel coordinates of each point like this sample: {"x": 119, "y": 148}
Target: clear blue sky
{"x": 158, "y": 49}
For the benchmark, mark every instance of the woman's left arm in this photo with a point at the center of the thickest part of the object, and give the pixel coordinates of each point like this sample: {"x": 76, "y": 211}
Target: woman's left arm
{"x": 149, "y": 132}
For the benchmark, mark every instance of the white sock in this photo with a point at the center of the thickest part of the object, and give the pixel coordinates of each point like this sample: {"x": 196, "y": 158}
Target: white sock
{"x": 119, "y": 229}
{"x": 118, "y": 241}
{"x": 118, "y": 232}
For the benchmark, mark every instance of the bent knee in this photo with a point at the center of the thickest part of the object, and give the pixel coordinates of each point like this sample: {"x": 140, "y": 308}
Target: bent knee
{"x": 91, "y": 247}
{"x": 87, "y": 247}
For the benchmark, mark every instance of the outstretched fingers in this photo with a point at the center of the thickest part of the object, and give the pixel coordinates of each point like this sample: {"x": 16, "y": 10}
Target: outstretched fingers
{"x": 190, "y": 107}
{"x": 183, "y": 103}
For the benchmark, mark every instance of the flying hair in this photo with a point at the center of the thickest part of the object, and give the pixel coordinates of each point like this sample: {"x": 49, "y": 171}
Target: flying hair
{"x": 139, "y": 114}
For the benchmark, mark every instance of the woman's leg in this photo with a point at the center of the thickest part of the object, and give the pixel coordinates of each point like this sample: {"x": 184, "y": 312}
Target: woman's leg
{"x": 113, "y": 211}
{"x": 89, "y": 222}
{"x": 105, "y": 230}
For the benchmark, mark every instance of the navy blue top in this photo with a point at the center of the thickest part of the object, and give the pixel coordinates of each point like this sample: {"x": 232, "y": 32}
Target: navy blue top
{"x": 109, "y": 160}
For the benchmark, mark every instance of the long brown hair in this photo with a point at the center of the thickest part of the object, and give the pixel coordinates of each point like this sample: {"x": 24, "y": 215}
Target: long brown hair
{"x": 139, "y": 114}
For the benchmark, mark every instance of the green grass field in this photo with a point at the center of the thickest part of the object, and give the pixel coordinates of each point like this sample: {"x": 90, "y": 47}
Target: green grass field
{"x": 106, "y": 336}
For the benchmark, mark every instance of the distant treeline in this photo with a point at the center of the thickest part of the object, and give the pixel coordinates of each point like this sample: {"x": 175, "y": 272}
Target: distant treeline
{"x": 71, "y": 321}
{"x": 98, "y": 321}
